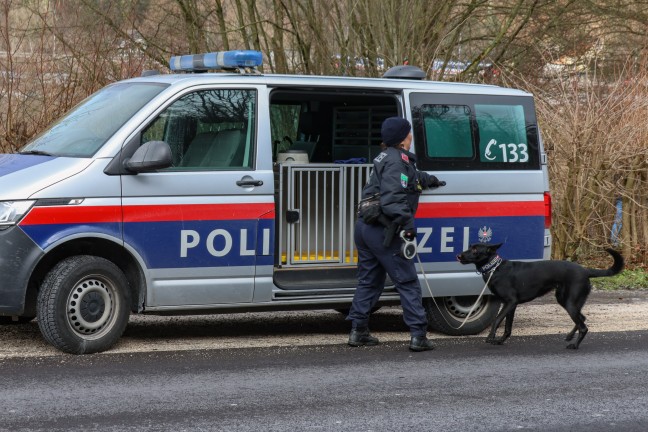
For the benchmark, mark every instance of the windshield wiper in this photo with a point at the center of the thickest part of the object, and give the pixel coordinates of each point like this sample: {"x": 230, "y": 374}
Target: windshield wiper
{"x": 36, "y": 152}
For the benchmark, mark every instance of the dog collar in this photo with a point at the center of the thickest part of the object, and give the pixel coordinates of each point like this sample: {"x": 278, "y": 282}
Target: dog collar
{"x": 491, "y": 266}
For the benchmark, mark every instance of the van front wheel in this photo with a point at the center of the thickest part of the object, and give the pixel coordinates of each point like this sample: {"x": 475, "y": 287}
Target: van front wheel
{"x": 83, "y": 305}
{"x": 452, "y": 311}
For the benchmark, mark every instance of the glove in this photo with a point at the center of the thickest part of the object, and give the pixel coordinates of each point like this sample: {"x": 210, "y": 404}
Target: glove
{"x": 409, "y": 234}
{"x": 435, "y": 182}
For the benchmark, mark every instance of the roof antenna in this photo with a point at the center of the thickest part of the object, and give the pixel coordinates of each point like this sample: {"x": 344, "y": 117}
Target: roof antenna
{"x": 405, "y": 72}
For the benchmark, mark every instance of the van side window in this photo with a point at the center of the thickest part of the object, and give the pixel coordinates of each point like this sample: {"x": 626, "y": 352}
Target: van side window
{"x": 284, "y": 121}
{"x": 502, "y": 135}
{"x": 208, "y": 129}
{"x": 459, "y": 132}
{"x": 448, "y": 131}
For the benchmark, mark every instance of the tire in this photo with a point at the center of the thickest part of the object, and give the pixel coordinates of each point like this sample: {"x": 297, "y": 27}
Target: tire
{"x": 453, "y": 310}
{"x": 83, "y": 305}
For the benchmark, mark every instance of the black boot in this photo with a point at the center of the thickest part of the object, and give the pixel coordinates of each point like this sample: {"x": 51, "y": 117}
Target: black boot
{"x": 420, "y": 343}
{"x": 361, "y": 337}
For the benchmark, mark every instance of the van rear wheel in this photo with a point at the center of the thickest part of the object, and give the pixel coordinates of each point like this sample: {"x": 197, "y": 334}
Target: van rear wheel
{"x": 452, "y": 311}
{"x": 83, "y": 305}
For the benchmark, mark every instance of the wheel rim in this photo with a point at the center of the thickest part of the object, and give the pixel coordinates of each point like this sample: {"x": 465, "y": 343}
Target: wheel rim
{"x": 91, "y": 307}
{"x": 458, "y": 307}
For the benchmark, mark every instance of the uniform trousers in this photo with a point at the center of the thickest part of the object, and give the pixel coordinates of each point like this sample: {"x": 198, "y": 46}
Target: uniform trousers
{"x": 374, "y": 262}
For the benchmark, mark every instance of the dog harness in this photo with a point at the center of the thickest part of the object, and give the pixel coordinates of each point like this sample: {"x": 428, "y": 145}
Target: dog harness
{"x": 491, "y": 266}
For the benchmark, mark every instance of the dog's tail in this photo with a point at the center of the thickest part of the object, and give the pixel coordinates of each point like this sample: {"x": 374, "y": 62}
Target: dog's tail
{"x": 615, "y": 269}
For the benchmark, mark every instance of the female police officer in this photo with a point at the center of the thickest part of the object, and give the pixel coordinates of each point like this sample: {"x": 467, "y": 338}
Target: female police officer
{"x": 399, "y": 184}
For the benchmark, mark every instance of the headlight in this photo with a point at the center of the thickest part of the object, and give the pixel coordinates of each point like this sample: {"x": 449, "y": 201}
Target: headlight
{"x": 12, "y": 211}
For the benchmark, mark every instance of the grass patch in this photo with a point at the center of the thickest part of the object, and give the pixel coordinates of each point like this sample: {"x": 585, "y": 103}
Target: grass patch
{"x": 636, "y": 279}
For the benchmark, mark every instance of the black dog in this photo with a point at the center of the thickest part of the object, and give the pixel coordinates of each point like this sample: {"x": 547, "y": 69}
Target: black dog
{"x": 516, "y": 282}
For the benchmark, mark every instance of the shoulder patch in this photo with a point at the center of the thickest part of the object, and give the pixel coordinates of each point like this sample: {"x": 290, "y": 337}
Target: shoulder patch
{"x": 380, "y": 157}
{"x": 405, "y": 157}
{"x": 404, "y": 180}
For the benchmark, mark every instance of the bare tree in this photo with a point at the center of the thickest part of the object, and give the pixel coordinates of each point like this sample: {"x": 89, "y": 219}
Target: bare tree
{"x": 53, "y": 53}
{"x": 597, "y": 141}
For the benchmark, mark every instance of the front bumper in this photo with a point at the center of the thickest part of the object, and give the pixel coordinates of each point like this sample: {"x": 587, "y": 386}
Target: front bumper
{"x": 18, "y": 257}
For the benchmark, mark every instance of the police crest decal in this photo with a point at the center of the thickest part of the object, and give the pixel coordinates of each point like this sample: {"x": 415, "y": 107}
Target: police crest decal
{"x": 485, "y": 234}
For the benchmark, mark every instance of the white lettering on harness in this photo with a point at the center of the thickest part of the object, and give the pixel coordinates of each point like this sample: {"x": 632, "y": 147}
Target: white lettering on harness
{"x": 446, "y": 240}
{"x": 219, "y": 242}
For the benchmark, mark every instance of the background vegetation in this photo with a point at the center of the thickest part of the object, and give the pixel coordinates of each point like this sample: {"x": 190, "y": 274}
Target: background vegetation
{"x": 585, "y": 60}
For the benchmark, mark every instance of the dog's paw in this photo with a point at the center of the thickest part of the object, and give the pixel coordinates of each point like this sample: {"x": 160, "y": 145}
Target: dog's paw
{"x": 569, "y": 337}
{"x": 572, "y": 346}
{"x": 491, "y": 336}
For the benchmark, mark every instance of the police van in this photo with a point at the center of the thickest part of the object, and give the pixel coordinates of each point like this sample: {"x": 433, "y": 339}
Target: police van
{"x": 236, "y": 191}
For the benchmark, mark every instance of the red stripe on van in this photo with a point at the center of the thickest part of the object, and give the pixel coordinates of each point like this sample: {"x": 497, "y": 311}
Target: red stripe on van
{"x": 195, "y": 212}
{"x": 147, "y": 213}
{"x": 481, "y": 209}
{"x": 72, "y": 215}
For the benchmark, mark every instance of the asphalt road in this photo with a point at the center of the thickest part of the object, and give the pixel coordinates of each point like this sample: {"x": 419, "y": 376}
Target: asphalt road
{"x": 293, "y": 372}
{"x": 531, "y": 383}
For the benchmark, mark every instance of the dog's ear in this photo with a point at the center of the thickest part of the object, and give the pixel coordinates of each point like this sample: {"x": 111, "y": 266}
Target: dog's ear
{"x": 494, "y": 247}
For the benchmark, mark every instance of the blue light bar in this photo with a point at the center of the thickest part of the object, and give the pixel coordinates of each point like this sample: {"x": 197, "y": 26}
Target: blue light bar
{"x": 217, "y": 60}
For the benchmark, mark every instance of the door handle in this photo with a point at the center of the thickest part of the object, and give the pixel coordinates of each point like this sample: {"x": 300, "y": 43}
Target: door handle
{"x": 249, "y": 182}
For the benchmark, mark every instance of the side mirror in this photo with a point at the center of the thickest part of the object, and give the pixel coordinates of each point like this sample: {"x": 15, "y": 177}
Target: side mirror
{"x": 151, "y": 156}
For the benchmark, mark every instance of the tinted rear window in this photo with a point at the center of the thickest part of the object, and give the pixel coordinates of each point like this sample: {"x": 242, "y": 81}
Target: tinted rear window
{"x": 457, "y": 132}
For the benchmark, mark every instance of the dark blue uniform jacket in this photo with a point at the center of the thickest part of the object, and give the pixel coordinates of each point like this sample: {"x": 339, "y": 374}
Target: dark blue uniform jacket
{"x": 395, "y": 176}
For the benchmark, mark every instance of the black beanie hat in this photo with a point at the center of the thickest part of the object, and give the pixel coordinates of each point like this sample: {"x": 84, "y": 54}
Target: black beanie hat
{"x": 394, "y": 130}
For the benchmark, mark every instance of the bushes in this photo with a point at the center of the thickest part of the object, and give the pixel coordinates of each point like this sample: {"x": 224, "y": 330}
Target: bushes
{"x": 596, "y": 138}
{"x": 53, "y": 54}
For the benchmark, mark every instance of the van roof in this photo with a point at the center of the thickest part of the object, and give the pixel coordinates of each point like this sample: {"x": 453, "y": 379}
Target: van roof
{"x": 316, "y": 81}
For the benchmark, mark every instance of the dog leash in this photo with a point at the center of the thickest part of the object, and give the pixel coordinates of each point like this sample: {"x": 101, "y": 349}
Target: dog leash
{"x": 473, "y": 306}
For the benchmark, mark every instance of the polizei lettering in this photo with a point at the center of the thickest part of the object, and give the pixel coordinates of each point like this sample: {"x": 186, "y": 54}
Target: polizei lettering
{"x": 447, "y": 240}
{"x": 221, "y": 242}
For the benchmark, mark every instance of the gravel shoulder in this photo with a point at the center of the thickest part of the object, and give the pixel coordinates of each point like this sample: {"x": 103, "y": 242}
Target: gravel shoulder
{"x": 606, "y": 311}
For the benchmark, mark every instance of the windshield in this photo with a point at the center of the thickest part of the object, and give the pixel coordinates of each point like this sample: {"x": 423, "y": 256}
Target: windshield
{"x": 82, "y": 131}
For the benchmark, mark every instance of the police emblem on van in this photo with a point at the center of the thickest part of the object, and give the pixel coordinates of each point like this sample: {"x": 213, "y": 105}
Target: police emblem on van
{"x": 485, "y": 234}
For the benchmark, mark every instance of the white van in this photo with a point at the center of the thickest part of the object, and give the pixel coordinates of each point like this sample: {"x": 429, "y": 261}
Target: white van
{"x": 236, "y": 191}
